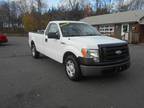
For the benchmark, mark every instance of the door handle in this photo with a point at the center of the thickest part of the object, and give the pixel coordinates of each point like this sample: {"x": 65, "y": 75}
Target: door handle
{"x": 46, "y": 39}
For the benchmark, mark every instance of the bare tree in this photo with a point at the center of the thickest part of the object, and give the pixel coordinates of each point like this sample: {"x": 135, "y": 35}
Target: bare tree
{"x": 136, "y": 5}
{"x": 41, "y": 6}
{"x": 24, "y": 7}
{"x": 5, "y": 14}
{"x": 102, "y": 6}
{"x": 72, "y": 4}
{"x": 121, "y": 5}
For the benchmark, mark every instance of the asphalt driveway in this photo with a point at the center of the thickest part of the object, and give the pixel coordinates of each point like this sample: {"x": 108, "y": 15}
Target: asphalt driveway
{"x": 41, "y": 83}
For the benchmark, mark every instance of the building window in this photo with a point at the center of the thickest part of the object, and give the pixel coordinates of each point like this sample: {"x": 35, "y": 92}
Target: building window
{"x": 125, "y": 28}
{"x": 107, "y": 29}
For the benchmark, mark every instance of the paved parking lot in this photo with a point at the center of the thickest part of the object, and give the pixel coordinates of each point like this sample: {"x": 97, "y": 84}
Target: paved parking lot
{"x": 29, "y": 83}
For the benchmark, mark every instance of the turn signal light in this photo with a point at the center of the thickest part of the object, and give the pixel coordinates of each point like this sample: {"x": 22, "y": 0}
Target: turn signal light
{"x": 84, "y": 52}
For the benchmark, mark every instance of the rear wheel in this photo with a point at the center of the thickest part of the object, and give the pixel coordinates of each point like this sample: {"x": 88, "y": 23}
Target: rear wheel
{"x": 72, "y": 68}
{"x": 34, "y": 52}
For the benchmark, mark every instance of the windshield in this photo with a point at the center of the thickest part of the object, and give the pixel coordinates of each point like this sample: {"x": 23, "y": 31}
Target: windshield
{"x": 78, "y": 29}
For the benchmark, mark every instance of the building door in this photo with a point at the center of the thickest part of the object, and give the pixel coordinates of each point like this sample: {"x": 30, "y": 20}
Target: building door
{"x": 125, "y": 31}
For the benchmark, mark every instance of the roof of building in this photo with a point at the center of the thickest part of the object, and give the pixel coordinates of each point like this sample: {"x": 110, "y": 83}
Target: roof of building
{"x": 120, "y": 17}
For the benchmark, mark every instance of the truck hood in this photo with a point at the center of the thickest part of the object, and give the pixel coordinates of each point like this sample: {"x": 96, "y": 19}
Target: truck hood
{"x": 92, "y": 41}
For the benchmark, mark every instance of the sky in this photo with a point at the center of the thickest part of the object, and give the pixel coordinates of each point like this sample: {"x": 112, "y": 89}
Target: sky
{"x": 52, "y": 3}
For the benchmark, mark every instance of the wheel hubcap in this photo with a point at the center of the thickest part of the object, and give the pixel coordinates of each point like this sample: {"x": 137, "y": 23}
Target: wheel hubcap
{"x": 70, "y": 68}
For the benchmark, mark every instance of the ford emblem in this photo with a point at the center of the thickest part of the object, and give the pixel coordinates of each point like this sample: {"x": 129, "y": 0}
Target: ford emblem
{"x": 118, "y": 52}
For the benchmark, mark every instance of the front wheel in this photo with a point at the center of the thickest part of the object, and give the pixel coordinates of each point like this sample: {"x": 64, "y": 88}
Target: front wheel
{"x": 34, "y": 52}
{"x": 72, "y": 68}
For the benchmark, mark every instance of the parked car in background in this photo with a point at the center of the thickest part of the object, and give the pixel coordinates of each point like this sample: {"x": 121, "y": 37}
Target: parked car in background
{"x": 3, "y": 38}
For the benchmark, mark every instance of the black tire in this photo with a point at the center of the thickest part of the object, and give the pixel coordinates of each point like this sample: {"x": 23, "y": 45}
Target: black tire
{"x": 76, "y": 76}
{"x": 34, "y": 52}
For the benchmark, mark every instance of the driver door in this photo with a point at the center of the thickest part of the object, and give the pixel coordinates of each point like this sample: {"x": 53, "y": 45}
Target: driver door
{"x": 52, "y": 44}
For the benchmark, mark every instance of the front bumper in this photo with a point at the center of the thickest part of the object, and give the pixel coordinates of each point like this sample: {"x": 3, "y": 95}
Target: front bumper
{"x": 87, "y": 69}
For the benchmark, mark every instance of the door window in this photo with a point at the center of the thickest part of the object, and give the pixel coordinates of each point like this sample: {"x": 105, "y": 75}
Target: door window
{"x": 53, "y": 28}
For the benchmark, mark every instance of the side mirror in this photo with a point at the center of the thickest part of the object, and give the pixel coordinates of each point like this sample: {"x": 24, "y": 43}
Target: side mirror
{"x": 53, "y": 36}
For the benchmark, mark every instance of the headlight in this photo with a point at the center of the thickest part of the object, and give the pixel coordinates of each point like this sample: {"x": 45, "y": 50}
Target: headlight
{"x": 91, "y": 53}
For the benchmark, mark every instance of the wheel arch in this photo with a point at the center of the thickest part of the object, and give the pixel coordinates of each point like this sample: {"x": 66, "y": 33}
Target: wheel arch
{"x": 32, "y": 42}
{"x": 66, "y": 54}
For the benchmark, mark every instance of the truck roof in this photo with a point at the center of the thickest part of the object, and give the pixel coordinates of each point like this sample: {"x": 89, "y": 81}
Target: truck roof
{"x": 66, "y": 21}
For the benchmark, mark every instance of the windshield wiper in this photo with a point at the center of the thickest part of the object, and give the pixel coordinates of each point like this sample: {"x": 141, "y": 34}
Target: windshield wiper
{"x": 70, "y": 35}
{"x": 93, "y": 34}
{"x": 82, "y": 35}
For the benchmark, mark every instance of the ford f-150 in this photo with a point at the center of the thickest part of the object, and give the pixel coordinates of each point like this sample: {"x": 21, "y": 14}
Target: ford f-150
{"x": 81, "y": 48}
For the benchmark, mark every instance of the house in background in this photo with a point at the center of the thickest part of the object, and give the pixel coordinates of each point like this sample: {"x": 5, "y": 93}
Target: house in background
{"x": 123, "y": 25}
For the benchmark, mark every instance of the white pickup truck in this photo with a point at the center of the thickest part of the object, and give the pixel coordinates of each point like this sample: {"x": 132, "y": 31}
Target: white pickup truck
{"x": 81, "y": 48}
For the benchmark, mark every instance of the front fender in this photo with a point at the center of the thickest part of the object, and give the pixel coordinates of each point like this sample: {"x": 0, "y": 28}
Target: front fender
{"x": 75, "y": 51}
